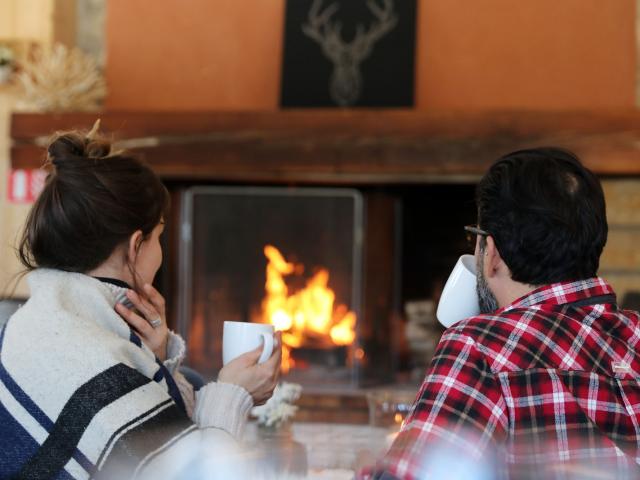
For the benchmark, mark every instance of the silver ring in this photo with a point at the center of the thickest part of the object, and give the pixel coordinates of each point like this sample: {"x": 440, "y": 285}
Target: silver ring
{"x": 156, "y": 322}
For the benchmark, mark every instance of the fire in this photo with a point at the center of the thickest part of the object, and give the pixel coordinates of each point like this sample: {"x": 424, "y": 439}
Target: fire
{"x": 308, "y": 316}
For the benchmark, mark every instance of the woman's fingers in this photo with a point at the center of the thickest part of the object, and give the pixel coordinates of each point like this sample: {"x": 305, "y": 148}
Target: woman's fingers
{"x": 140, "y": 303}
{"x": 272, "y": 366}
{"x": 252, "y": 356}
{"x": 249, "y": 358}
{"x": 133, "y": 319}
{"x": 155, "y": 298}
{"x": 276, "y": 357}
{"x": 144, "y": 307}
{"x": 258, "y": 379}
{"x": 154, "y": 337}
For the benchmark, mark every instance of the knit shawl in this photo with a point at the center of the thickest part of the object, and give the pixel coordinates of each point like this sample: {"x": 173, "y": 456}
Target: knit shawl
{"x": 79, "y": 396}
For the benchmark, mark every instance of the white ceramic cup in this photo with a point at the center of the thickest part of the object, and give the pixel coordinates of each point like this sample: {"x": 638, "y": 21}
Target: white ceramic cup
{"x": 459, "y": 298}
{"x": 242, "y": 337}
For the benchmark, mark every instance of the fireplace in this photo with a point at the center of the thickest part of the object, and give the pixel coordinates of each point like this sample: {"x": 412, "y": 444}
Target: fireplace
{"x": 290, "y": 257}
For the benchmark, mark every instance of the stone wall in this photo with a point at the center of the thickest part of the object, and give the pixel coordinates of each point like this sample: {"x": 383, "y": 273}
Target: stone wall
{"x": 620, "y": 262}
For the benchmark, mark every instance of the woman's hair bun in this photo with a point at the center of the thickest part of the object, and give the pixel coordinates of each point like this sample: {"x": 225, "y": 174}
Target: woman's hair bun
{"x": 91, "y": 204}
{"x": 68, "y": 147}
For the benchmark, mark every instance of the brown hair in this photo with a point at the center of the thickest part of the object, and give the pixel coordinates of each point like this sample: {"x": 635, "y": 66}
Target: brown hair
{"x": 92, "y": 202}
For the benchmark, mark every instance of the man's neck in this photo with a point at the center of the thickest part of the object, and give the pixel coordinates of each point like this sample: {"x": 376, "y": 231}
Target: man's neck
{"x": 512, "y": 291}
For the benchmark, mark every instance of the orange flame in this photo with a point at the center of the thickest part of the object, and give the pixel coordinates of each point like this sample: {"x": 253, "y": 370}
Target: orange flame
{"x": 307, "y": 316}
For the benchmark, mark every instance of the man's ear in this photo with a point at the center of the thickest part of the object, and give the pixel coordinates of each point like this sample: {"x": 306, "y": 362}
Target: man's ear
{"x": 135, "y": 240}
{"x": 493, "y": 264}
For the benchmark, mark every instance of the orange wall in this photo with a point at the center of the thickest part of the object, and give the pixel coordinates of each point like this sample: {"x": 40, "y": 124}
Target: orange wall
{"x": 547, "y": 54}
{"x": 194, "y": 54}
{"x": 226, "y": 54}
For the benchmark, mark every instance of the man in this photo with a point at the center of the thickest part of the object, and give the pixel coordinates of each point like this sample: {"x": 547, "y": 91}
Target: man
{"x": 544, "y": 382}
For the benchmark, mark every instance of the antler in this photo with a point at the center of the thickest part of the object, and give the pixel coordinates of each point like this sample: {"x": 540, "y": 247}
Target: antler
{"x": 386, "y": 20}
{"x": 320, "y": 29}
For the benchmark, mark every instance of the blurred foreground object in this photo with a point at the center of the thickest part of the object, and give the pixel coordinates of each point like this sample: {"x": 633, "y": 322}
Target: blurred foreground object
{"x": 281, "y": 453}
{"x": 61, "y": 79}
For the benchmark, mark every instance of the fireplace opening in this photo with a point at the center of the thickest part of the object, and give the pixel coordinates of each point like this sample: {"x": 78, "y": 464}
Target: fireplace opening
{"x": 288, "y": 257}
{"x": 351, "y": 277}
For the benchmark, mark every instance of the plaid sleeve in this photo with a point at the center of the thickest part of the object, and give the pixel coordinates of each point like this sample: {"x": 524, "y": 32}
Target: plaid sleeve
{"x": 459, "y": 410}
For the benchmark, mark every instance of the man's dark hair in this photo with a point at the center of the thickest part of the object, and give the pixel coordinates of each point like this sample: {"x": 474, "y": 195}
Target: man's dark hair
{"x": 546, "y": 213}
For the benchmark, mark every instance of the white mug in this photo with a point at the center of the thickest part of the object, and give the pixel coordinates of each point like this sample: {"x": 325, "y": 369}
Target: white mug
{"x": 242, "y": 337}
{"x": 459, "y": 298}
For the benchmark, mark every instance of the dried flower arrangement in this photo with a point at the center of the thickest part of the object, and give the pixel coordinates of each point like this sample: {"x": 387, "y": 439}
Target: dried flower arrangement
{"x": 61, "y": 79}
{"x": 280, "y": 407}
{"x": 6, "y": 56}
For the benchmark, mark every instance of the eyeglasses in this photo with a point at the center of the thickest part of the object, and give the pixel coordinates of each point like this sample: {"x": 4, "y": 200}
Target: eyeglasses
{"x": 472, "y": 232}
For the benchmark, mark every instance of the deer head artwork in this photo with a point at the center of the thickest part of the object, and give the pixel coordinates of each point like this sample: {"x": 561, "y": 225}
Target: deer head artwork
{"x": 345, "y": 85}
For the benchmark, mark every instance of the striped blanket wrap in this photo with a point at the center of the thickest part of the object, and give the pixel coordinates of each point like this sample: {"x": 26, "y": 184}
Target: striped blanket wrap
{"x": 80, "y": 395}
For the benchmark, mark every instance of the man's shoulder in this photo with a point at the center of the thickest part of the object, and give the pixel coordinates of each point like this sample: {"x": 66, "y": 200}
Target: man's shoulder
{"x": 478, "y": 326}
{"x": 496, "y": 335}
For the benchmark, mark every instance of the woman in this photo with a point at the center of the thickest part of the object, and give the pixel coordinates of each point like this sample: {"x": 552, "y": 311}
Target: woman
{"x": 89, "y": 380}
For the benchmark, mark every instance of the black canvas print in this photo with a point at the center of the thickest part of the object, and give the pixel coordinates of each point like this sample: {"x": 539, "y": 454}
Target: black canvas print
{"x": 348, "y": 53}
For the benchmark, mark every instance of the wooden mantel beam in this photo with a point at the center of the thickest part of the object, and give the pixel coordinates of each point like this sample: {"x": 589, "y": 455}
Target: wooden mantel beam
{"x": 342, "y": 146}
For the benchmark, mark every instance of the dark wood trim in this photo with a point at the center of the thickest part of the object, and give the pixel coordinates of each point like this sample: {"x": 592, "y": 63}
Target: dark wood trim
{"x": 26, "y": 126}
{"x": 380, "y": 284}
{"x": 342, "y": 147}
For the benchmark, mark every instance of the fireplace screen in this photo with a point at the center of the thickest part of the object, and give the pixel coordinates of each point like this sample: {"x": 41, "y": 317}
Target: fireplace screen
{"x": 289, "y": 257}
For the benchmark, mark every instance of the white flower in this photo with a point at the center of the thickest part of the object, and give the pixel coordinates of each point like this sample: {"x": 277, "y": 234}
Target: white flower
{"x": 279, "y": 408}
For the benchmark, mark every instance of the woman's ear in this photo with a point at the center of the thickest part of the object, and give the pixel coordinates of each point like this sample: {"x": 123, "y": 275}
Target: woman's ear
{"x": 135, "y": 240}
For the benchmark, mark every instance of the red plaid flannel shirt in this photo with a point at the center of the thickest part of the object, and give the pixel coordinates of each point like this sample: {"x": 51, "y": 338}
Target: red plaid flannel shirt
{"x": 538, "y": 389}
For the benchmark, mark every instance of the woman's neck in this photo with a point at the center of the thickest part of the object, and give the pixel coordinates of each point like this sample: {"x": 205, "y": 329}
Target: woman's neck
{"x": 109, "y": 271}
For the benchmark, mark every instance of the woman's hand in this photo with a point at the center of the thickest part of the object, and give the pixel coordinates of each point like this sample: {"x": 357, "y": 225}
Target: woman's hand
{"x": 153, "y": 313}
{"x": 258, "y": 379}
